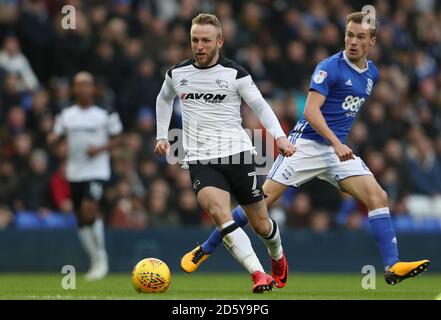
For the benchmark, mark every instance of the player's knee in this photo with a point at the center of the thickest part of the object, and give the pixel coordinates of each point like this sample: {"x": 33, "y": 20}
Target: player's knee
{"x": 384, "y": 199}
{"x": 378, "y": 199}
{"x": 86, "y": 215}
{"x": 85, "y": 220}
{"x": 216, "y": 211}
{"x": 270, "y": 197}
{"x": 262, "y": 226}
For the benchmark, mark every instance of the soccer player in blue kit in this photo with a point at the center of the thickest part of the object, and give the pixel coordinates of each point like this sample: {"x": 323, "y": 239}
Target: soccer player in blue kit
{"x": 339, "y": 86}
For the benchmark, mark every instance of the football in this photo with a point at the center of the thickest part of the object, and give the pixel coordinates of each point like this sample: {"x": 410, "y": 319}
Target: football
{"x": 151, "y": 275}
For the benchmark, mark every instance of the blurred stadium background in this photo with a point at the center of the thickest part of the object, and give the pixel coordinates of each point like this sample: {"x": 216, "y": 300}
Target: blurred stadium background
{"x": 150, "y": 207}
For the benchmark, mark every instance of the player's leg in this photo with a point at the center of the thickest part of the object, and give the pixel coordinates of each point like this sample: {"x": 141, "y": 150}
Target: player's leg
{"x": 91, "y": 229}
{"x": 366, "y": 189}
{"x": 212, "y": 189}
{"x": 101, "y": 265}
{"x": 85, "y": 232}
{"x": 280, "y": 177}
{"x": 249, "y": 193}
{"x": 216, "y": 203}
{"x": 272, "y": 191}
{"x": 268, "y": 231}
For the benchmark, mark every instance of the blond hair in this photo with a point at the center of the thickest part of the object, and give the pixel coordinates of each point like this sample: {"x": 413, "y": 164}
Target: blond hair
{"x": 207, "y": 18}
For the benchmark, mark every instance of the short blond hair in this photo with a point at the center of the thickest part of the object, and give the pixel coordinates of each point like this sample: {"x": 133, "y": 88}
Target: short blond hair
{"x": 208, "y": 18}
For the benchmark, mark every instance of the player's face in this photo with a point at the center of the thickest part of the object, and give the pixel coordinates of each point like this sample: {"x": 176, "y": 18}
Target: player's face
{"x": 357, "y": 42}
{"x": 205, "y": 44}
{"x": 84, "y": 91}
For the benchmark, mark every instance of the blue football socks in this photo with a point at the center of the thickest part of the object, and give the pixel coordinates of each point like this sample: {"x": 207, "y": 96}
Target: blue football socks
{"x": 381, "y": 225}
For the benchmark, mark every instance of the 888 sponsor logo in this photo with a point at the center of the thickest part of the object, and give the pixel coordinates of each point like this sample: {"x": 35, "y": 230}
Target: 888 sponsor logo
{"x": 352, "y": 104}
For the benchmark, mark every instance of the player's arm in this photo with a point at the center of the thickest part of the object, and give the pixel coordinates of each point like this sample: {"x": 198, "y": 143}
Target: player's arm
{"x": 114, "y": 142}
{"x": 314, "y": 116}
{"x": 164, "y": 111}
{"x": 114, "y": 129}
{"x": 52, "y": 138}
{"x": 253, "y": 97}
{"x": 58, "y": 131}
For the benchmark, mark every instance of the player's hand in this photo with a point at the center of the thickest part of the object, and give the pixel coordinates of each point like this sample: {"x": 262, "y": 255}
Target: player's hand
{"x": 52, "y": 138}
{"x": 162, "y": 147}
{"x": 285, "y": 147}
{"x": 343, "y": 152}
{"x": 93, "y": 151}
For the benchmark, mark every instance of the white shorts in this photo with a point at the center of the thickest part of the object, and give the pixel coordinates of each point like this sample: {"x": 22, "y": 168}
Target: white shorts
{"x": 313, "y": 159}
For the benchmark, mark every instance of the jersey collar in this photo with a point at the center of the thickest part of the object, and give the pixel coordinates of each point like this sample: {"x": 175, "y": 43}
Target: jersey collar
{"x": 353, "y": 66}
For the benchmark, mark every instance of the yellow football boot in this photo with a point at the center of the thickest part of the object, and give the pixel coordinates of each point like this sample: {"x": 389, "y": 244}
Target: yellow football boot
{"x": 191, "y": 261}
{"x": 403, "y": 270}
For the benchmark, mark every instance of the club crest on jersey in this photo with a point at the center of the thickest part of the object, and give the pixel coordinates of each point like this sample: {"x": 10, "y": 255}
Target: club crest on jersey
{"x": 222, "y": 83}
{"x": 320, "y": 76}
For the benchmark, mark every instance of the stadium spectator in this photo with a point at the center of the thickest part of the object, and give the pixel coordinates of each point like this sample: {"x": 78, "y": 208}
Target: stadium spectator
{"x": 6, "y": 218}
{"x": 10, "y": 92}
{"x": 160, "y": 214}
{"x": 425, "y": 174}
{"x": 320, "y": 221}
{"x": 128, "y": 211}
{"x": 22, "y": 145}
{"x": 300, "y": 211}
{"x": 424, "y": 167}
{"x": 59, "y": 191}
{"x": 188, "y": 208}
{"x": 13, "y": 61}
{"x": 8, "y": 183}
{"x": 33, "y": 190}
{"x": 148, "y": 171}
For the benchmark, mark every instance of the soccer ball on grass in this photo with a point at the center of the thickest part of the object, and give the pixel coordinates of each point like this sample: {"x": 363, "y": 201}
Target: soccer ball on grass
{"x": 151, "y": 275}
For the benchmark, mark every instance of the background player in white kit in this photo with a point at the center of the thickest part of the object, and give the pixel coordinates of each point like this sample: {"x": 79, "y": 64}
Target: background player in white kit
{"x": 210, "y": 88}
{"x": 339, "y": 86}
{"x": 91, "y": 132}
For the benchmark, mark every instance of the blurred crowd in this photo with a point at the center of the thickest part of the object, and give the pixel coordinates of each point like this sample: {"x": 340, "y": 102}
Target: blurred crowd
{"x": 129, "y": 44}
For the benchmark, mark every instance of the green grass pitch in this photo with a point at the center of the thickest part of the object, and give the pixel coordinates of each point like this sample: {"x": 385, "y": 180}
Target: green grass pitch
{"x": 210, "y": 286}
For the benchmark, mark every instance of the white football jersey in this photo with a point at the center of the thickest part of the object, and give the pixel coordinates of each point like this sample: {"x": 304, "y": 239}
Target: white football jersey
{"x": 210, "y": 100}
{"x": 86, "y": 127}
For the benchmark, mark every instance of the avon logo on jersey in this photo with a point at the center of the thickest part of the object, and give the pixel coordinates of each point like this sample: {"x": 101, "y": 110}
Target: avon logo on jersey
{"x": 208, "y": 97}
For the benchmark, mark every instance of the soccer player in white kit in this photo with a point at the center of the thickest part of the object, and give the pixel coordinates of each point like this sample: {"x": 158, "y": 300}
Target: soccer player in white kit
{"x": 339, "y": 86}
{"x": 210, "y": 88}
{"x": 91, "y": 132}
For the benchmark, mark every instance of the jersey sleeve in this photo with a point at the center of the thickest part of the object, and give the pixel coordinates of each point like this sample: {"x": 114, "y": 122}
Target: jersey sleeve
{"x": 164, "y": 108}
{"x": 323, "y": 78}
{"x": 167, "y": 87}
{"x": 114, "y": 125}
{"x": 247, "y": 89}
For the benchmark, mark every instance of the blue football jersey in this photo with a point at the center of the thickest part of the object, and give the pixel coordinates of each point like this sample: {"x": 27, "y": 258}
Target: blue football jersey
{"x": 346, "y": 87}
